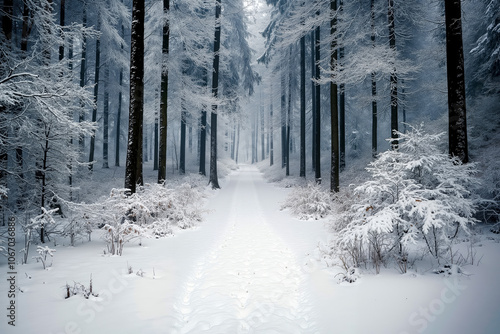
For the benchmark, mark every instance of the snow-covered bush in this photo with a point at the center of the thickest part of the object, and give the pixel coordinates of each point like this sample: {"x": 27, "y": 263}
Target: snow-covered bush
{"x": 416, "y": 193}
{"x": 118, "y": 233}
{"x": 152, "y": 211}
{"x": 308, "y": 202}
{"x": 185, "y": 210}
{"x": 79, "y": 226}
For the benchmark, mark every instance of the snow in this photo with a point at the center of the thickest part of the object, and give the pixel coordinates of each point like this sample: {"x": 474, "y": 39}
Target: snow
{"x": 247, "y": 268}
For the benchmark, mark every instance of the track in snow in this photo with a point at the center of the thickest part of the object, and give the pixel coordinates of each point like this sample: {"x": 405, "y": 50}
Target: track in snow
{"x": 250, "y": 282}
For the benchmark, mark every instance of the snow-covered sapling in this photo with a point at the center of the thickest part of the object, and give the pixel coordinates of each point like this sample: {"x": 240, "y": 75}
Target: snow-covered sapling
{"x": 43, "y": 252}
{"x": 37, "y": 223}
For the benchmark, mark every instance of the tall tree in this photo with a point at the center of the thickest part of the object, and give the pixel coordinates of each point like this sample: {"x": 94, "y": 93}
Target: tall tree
{"x": 289, "y": 111}
{"x": 119, "y": 109}
{"x": 96, "y": 90}
{"x": 303, "y": 106}
{"x": 83, "y": 71}
{"x": 203, "y": 128}
{"x": 214, "y": 180}
{"x": 374, "y": 84}
{"x": 8, "y": 14}
{"x": 457, "y": 117}
{"x": 182, "y": 146}
{"x": 136, "y": 96}
{"x": 271, "y": 128}
{"x": 394, "y": 75}
{"x": 283, "y": 114}
{"x": 317, "y": 118}
{"x": 334, "y": 113}
{"x": 105, "y": 119}
{"x": 313, "y": 100}
{"x": 262, "y": 133}
{"x": 162, "y": 163}
{"x": 341, "y": 99}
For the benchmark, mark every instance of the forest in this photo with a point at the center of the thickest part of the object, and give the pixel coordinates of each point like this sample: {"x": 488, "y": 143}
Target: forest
{"x": 122, "y": 120}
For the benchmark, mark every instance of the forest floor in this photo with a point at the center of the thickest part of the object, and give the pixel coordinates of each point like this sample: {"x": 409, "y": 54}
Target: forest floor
{"x": 247, "y": 268}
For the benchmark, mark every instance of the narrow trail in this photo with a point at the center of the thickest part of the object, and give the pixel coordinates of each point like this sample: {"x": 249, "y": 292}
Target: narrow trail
{"x": 249, "y": 282}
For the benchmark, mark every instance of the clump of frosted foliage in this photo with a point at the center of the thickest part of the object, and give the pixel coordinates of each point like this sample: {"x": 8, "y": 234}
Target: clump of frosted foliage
{"x": 416, "y": 193}
{"x": 308, "y": 202}
{"x": 154, "y": 210}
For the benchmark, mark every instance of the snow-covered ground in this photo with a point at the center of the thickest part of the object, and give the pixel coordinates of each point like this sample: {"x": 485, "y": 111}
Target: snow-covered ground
{"x": 248, "y": 268}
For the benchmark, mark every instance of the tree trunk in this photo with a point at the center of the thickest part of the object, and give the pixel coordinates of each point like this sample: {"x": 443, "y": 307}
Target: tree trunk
{"x": 233, "y": 142}
{"x": 83, "y": 70}
{"x": 162, "y": 156}
{"x": 457, "y": 116}
{"x": 96, "y": 92}
{"x": 374, "y": 87}
{"x": 335, "y": 156}
{"x": 155, "y": 157}
{"x": 313, "y": 101}
{"x": 283, "y": 116}
{"x": 24, "y": 49}
{"x": 271, "y": 130}
{"x": 43, "y": 175}
{"x": 182, "y": 153}
{"x": 105, "y": 119}
{"x": 136, "y": 95}
{"x": 303, "y": 106}
{"x": 203, "y": 130}
{"x": 237, "y": 144}
{"x": 7, "y": 25}
{"x": 214, "y": 180}
{"x": 119, "y": 112}
{"x": 394, "y": 76}
{"x": 253, "y": 139}
{"x": 341, "y": 103}
{"x": 262, "y": 133}
{"x": 317, "y": 120}
{"x": 289, "y": 113}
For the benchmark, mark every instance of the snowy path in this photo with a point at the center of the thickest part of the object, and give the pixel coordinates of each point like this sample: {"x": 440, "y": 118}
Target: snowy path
{"x": 250, "y": 282}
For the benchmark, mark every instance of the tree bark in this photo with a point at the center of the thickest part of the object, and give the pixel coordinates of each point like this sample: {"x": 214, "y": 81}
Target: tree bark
{"x": 96, "y": 92}
{"x": 457, "y": 116}
{"x": 182, "y": 153}
{"x": 313, "y": 100}
{"x": 283, "y": 116}
{"x": 394, "y": 76}
{"x": 119, "y": 111}
{"x": 105, "y": 119}
{"x": 289, "y": 112}
{"x": 374, "y": 87}
{"x": 303, "y": 106}
{"x": 136, "y": 95}
{"x": 162, "y": 156}
{"x": 155, "y": 153}
{"x": 7, "y": 25}
{"x": 262, "y": 133}
{"x": 214, "y": 180}
{"x": 341, "y": 103}
{"x": 271, "y": 130}
{"x": 83, "y": 69}
{"x": 317, "y": 119}
{"x": 203, "y": 130}
{"x": 335, "y": 158}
